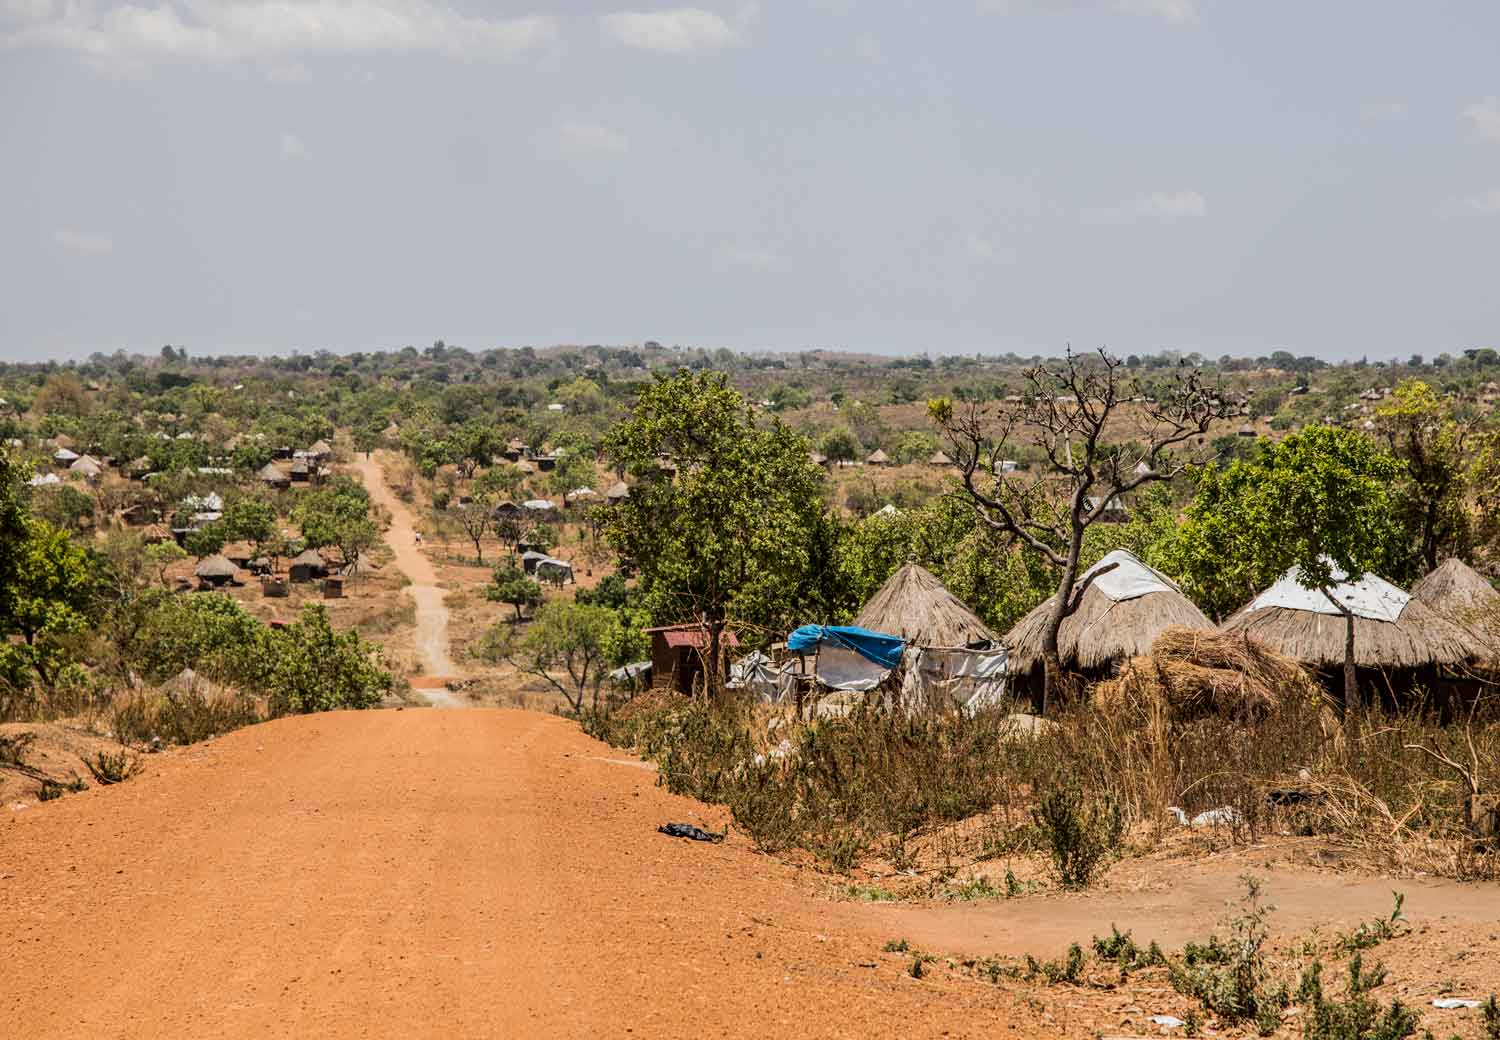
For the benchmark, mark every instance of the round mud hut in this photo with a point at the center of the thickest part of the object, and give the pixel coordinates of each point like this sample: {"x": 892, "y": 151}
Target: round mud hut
{"x": 1126, "y": 607}
{"x": 1400, "y": 643}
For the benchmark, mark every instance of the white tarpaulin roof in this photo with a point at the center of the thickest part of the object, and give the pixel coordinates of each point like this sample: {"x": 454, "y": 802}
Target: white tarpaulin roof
{"x": 1369, "y": 597}
{"x": 1131, "y": 579}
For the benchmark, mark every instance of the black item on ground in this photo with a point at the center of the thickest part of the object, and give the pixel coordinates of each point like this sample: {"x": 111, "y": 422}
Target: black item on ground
{"x": 687, "y": 830}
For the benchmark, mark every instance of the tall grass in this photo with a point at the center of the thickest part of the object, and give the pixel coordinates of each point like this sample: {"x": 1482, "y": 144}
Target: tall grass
{"x": 846, "y": 788}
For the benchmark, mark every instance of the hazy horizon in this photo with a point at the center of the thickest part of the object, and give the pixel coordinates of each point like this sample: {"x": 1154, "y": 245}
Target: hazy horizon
{"x": 250, "y": 176}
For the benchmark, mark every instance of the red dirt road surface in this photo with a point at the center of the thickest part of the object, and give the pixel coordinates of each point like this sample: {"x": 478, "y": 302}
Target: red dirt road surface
{"x": 432, "y": 874}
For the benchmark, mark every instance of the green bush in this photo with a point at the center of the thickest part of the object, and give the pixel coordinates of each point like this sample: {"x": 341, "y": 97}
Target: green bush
{"x": 1081, "y": 835}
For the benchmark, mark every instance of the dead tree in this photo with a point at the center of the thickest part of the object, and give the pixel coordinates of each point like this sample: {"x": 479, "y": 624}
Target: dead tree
{"x": 1101, "y": 438}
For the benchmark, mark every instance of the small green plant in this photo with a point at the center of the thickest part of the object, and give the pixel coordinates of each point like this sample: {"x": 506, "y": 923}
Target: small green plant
{"x": 112, "y": 767}
{"x": 1358, "y": 1016}
{"x": 1080, "y": 834}
{"x": 1230, "y": 978}
{"x": 1119, "y": 948}
{"x": 1373, "y": 933}
{"x": 896, "y": 946}
{"x": 1068, "y": 970}
{"x": 1490, "y": 1014}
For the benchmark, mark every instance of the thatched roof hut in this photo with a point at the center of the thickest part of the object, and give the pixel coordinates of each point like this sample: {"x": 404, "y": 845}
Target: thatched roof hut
{"x": 274, "y": 476}
{"x": 619, "y": 493}
{"x": 878, "y": 458}
{"x": 1391, "y": 629}
{"x": 939, "y": 459}
{"x": 1455, "y": 588}
{"x": 1121, "y": 615}
{"x": 914, "y": 605}
{"x": 307, "y": 565}
{"x": 215, "y": 569}
{"x": 86, "y": 466}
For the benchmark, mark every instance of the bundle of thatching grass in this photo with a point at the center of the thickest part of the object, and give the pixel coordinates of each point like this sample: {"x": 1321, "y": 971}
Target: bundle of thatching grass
{"x": 1194, "y": 672}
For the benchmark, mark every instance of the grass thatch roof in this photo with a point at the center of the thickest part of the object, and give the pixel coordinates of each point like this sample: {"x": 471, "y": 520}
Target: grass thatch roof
{"x": 1103, "y": 630}
{"x": 1194, "y": 673}
{"x": 914, "y": 605}
{"x": 1419, "y": 638}
{"x": 216, "y": 566}
{"x": 308, "y": 558}
{"x": 878, "y": 458}
{"x": 1455, "y": 588}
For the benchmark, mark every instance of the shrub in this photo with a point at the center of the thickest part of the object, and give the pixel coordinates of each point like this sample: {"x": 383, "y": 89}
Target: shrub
{"x": 1230, "y": 978}
{"x": 1358, "y": 1016}
{"x": 1080, "y": 835}
{"x": 179, "y": 717}
{"x": 112, "y": 767}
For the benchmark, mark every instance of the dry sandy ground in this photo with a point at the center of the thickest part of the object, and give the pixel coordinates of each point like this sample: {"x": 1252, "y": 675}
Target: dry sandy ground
{"x": 497, "y": 873}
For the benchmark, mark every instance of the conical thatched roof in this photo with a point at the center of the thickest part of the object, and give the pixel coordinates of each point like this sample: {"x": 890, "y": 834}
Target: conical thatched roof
{"x": 271, "y": 473}
{"x": 308, "y": 558}
{"x": 87, "y": 465}
{"x": 620, "y": 491}
{"x": 1391, "y": 630}
{"x": 216, "y": 566}
{"x": 939, "y": 459}
{"x": 878, "y": 458}
{"x": 1121, "y": 615}
{"x": 1455, "y": 588}
{"x": 914, "y": 605}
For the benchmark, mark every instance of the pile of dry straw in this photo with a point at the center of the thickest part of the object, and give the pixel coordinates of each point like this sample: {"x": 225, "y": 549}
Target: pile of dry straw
{"x": 1192, "y": 673}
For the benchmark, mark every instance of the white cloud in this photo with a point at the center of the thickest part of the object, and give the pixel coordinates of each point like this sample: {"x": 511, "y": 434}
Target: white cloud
{"x": 751, "y": 258}
{"x": 1484, "y": 117}
{"x": 591, "y": 137}
{"x": 83, "y": 243}
{"x": 979, "y": 247}
{"x": 288, "y": 75}
{"x": 676, "y": 31}
{"x": 228, "y": 30}
{"x": 1487, "y": 202}
{"x": 1187, "y": 203}
{"x": 292, "y": 147}
{"x": 1166, "y": 10}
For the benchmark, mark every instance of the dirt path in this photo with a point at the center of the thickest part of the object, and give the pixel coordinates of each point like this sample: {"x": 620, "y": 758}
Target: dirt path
{"x": 425, "y": 874}
{"x": 432, "y": 613}
{"x": 476, "y": 874}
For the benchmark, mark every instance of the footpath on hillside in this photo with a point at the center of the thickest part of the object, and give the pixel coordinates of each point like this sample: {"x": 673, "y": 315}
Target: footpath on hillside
{"x": 431, "y": 634}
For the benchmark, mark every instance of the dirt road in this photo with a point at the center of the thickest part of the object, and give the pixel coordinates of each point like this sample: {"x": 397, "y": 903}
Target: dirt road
{"x": 425, "y": 874}
{"x": 432, "y": 613}
{"x": 495, "y": 873}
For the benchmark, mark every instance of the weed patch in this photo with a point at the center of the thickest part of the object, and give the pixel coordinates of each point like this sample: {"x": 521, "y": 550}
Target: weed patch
{"x": 116, "y": 767}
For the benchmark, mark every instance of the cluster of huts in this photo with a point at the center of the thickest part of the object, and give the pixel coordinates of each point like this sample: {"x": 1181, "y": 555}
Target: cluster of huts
{"x": 918, "y": 645}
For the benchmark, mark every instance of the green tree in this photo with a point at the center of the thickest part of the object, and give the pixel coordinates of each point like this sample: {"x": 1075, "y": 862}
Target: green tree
{"x": 1321, "y": 500}
{"x": 583, "y": 642}
{"x": 1419, "y": 429}
{"x": 338, "y": 515}
{"x": 248, "y": 519}
{"x": 206, "y": 540}
{"x": 509, "y": 584}
{"x": 474, "y": 444}
{"x": 315, "y": 668}
{"x": 729, "y": 535}
{"x": 53, "y": 596}
{"x": 63, "y": 506}
{"x": 840, "y": 445}
{"x": 161, "y": 556}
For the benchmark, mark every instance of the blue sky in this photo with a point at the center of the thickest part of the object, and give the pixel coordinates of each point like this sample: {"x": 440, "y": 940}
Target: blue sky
{"x": 995, "y": 175}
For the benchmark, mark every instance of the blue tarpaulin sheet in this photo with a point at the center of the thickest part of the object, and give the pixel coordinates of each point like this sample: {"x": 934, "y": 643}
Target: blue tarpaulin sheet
{"x": 875, "y": 647}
